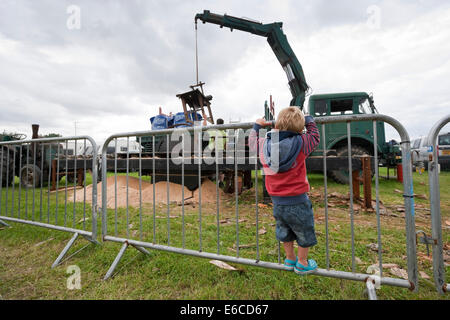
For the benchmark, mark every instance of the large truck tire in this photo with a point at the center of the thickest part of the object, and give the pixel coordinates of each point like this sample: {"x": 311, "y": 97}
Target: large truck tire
{"x": 342, "y": 176}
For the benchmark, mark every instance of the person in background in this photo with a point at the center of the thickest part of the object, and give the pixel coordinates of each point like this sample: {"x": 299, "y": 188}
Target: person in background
{"x": 221, "y": 144}
{"x": 221, "y": 138}
{"x": 161, "y": 113}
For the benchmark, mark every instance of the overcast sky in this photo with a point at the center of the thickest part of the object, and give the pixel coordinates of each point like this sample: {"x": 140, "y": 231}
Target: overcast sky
{"x": 109, "y": 71}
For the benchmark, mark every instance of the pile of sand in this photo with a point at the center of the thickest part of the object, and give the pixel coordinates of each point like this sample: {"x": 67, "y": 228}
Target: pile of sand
{"x": 175, "y": 193}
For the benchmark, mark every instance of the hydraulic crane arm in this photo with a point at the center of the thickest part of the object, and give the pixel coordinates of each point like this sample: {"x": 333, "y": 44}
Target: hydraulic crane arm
{"x": 277, "y": 41}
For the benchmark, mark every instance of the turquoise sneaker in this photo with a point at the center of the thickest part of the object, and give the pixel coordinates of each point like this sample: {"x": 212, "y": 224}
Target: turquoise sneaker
{"x": 289, "y": 264}
{"x": 302, "y": 270}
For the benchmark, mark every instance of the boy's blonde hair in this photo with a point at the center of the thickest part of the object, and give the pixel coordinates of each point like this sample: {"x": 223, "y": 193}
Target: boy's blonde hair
{"x": 290, "y": 119}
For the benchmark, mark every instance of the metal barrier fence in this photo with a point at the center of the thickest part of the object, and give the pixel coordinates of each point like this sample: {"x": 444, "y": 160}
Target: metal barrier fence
{"x": 40, "y": 166}
{"x": 435, "y": 207}
{"x": 207, "y": 224}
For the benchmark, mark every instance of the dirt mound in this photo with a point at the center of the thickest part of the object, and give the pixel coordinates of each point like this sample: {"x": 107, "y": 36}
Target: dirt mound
{"x": 209, "y": 194}
{"x": 175, "y": 192}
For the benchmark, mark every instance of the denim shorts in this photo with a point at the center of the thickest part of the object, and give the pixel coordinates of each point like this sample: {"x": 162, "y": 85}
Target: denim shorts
{"x": 295, "y": 222}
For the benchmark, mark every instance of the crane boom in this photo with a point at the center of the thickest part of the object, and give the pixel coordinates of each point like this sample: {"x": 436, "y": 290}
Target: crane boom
{"x": 277, "y": 41}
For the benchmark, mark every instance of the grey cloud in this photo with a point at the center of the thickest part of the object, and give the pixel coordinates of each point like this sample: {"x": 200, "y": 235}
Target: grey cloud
{"x": 143, "y": 52}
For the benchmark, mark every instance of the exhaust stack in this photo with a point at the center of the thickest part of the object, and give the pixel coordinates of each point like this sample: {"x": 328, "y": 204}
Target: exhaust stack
{"x": 35, "y": 129}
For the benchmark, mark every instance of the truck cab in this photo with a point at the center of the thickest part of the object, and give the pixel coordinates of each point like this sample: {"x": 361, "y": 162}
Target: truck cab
{"x": 362, "y": 135}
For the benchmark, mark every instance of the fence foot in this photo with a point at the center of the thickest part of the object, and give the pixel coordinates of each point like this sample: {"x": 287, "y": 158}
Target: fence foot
{"x": 116, "y": 261}
{"x": 141, "y": 249}
{"x": 91, "y": 240}
{"x": 63, "y": 253}
{"x": 119, "y": 256}
{"x": 2, "y": 223}
{"x": 370, "y": 290}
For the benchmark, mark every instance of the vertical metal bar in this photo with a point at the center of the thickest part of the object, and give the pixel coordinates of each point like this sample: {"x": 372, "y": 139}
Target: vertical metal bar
{"x": 26, "y": 189}
{"x": 67, "y": 178}
{"x": 84, "y": 183}
{"x": 435, "y": 207}
{"x": 50, "y": 168}
{"x": 168, "y": 190}
{"x": 409, "y": 212}
{"x": 13, "y": 182}
{"x": 34, "y": 178}
{"x": 104, "y": 180}
{"x": 42, "y": 180}
{"x": 236, "y": 187}
{"x": 94, "y": 207}
{"x": 217, "y": 189}
{"x": 377, "y": 197}
{"x": 1, "y": 179}
{"x": 7, "y": 182}
{"x": 115, "y": 186}
{"x": 20, "y": 181}
{"x": 128, "y": 169}
{"x": 140, "y": 189}
{"x": 196, "y": 53}
{"x": 325, "y": 183}
{"x": 182, "y": 193}
{"x": 256, "y": 201}
{"x": 74, "y": 183}
{"x": 349, "y": 147}
{"x": 153, "y": 182}
{"x": 436, "y": 227}
{"x": 200, "y": 187}
{"x": 57, "y": 184}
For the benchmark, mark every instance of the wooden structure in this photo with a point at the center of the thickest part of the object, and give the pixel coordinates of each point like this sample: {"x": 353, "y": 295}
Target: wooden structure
{"x": 366, "y": 179}
{"x": 195, "y": 101}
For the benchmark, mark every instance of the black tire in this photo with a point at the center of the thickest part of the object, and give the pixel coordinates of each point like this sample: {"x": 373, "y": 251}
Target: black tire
{"x": 342, "y": 176}
{"x": 7, "y": 168}
{"x": 30, "y": 176}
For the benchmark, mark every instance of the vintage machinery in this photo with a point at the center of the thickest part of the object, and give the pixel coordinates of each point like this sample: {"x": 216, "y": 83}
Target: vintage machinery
{"x": 29, "y": 162}
{"x": 319, "y": 105}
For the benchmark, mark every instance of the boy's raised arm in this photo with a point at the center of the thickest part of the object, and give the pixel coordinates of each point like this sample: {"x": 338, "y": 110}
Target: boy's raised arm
{"x": 254, "y": 138}
{"x": 311, "y": 138}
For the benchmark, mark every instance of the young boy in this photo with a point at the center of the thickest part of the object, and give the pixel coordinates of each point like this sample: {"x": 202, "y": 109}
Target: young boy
{"x": 282, "y": 154}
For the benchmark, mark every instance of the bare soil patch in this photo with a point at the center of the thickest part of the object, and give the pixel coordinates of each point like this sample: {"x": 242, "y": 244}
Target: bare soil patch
{"x": 164, "y": 193}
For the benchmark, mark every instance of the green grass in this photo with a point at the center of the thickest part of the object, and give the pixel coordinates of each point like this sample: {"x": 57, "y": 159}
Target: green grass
{"x": 25, "y": 261}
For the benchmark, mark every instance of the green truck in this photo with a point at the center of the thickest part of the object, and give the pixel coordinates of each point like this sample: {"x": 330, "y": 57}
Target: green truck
{"x": 361, "y": 132}
{"x": 319, "y": 105}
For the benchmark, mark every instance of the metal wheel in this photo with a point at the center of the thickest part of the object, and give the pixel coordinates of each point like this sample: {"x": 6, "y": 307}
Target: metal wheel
{"x": 30, "y": 176}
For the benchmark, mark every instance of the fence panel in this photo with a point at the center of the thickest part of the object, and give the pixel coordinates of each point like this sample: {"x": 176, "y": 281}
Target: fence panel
{"x": 221, "y": 223}
{"x": 44, "y": 183}
{"x": 435, "y": 206}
